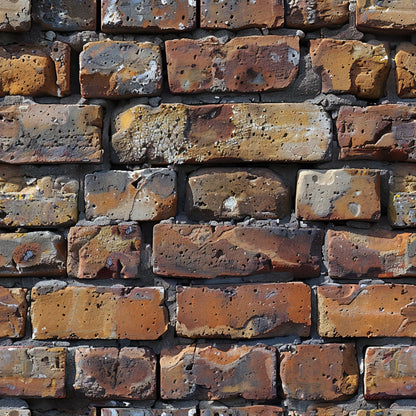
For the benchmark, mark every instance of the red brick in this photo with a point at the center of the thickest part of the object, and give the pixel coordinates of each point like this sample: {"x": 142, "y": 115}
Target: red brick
{"x": 209, "y": 373}
{"x": 245, "y": 311}
{"x": 109, "y": 373}
{"x": 203, "y": 251}
{"x": 244, "y": 64}
{"x": 15, "y": 16}
{"x": 258, "y": 410}
{"x": 325, "y": 372}
{"x": 405, "y": 60}
{"x": 13, "y": 308}
{"x": 147, "y": 412}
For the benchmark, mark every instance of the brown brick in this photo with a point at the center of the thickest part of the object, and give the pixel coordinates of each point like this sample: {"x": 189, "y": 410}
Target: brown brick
{"x": 109, "y": 373}
{"x": 338, "y": 194}
{"x": 375, "y": 253}
{"x": 380, "y": 132}
{"x": 39, "y": 253}
{"x": 209, "y": 373}
{"x": 32, "y": 372}
{"x": 351, "y": 66}
{"x": 177, "y": 133}
{"x": 46, "y": 133}
{"x": 117, "y": 16}
{"x": 258, "y": 410}
{"x": 389, "y": 372}
{"x": 235, "y": 14}
{"x": 203, "y": 251}
{"x": 98, "y": 313}
{"x": 14, "y": 411}
{"x": 13, "y": 308}
{"x": 397, "y": 411}
{"x": 148, "y": 412}
{"x": 321, "y": 410}
{"x": 405, "y": 60}
{"x": 15, "y": 16}
{"x": 116, "y": 70}
{"x": 244, "y": 311}
{"x": 140, "y": 195}
{"x": 100, "y": 252}
{"x": 323, "y": 372}
{"x": 244, "y": 64}
{"x": 35, "y": 70}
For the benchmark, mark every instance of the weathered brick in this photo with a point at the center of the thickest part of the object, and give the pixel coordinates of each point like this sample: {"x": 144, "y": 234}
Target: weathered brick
{"x": 13, "y": 308}
{"x": 38, "y": 253}
{"x": 100, "y": 252}
{"x": 405, "y": 60}
{"x": 389, "y": 372}
{"x": 321, "y": 410}
{"x": 177, "y": 133}
{"x": 244, "y": 64}
{"x": 118, "y": 69}
{"x": 118, "y": 16}
{"x": 258, "y": 410}
{"x": 148, "y": 412}
{"x": 381, "y": 132}
{"x": 15, "y": 16}
{"x": 14, "y": 411}
{"x": 35, "y": 70}
{"x": 32, "y": 372}
{"x": 109, "y": 373}
{"x": 235, "y": 14}
{"x": 338, "y": 194}
{"x": 325, "y": 372}
{"x": 351, "y": 66}
{"x": 244, "y": 311}
{"x": 43, "y": 133}
{"x": 200, "y": 373}
{"x": 98, "y": 313}
{"x": 140, "y": 195}
{"x": 397, "y": 411}
{"x": 375, "y": 253}
{"x": 204, "y": 251}
{"x": 65, "y": 15}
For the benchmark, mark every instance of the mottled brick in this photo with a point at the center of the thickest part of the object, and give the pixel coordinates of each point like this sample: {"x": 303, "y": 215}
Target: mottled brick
{"x": 325, "y": 372}
{"x": 13, "y": 308}
{"x": 244, "y": 64}
{"x": 258, "y": 410}
{"x": 139, "y": 195}
{"x": 405, "y": 60}
{"x": 15, "y": 16}
{"x": 14, "y": 411}
{"x": 397, "y": 411}
{"x": 321, "y": 410}
{"x": 209, "y": 373}
{"x": 148, "y": 412}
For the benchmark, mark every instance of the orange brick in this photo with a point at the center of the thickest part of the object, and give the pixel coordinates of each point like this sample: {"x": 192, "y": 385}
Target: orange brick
{"x": 405, "y": 60}
{"x": 13, "y": 308}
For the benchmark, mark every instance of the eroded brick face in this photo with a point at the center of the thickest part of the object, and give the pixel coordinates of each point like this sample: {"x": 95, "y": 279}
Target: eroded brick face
{"x": 397, "y": 411}
{"x": 13, "y": 308}
{"x": 148, "y": 412}
{"x": 405, "y": 60}
{"x": 244, "y": 411}
{"x": 15, "y": 15}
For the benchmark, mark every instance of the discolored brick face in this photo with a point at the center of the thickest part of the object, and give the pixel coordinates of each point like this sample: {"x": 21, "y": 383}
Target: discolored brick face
{"x": 148, "y": 412}
{"x": 244, "y": 411}
{"x": 13, "y": 308}
{"x": 244, "y": 64}
{"x": 397, "y": 411}
{"x": 15, "y": 411}
{"x": 209, "y": 373}
{"x": 405, "y": 60}
{"x": 321, "y": 410}
{"x": 15, "y": 16}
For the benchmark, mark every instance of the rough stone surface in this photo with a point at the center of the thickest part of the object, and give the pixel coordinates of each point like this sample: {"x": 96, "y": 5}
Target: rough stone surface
{"x": 405, "y": 60}
{"x": 209, "y": 373}
{"x": 338, "y": 194}
{"x": 258, "y": 410}
{"x": 98, "y": 313}
{"x": 397, "y": 411}
{"x": 177, "y": 133}
{"x": 244, "y": 64}
{"x": 40, "y": 133}
{"x": 245, "y": 311}
{"x": 15, "y": 16}
{"x": 203, "y": 251}
{"x": 109, "y": 373}
{"x": 325, "y": 372}
{"x": 12, "y": 411}
{"x": 13, "y": 308}
{"x": 351, "y": 66}
{"x": 139, "y": 195}
{"x": 100, "y": 252}
{"x": 32, "y": 372}
{"x": 148, "y": 412}
{"x": 120, "y": 69}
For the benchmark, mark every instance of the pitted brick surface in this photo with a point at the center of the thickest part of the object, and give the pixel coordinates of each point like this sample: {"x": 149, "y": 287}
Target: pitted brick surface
{"x": 405, "y": 60}
{"x": 15, "y": 15}
{"x": 13, "y": 308}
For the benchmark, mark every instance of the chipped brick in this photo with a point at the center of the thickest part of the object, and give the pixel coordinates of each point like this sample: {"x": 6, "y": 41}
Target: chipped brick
{"x": 15, "y": 16}
{"x": 405, "y": 60}
{"x": 258, "y": 410}
{"x": 13, "y": 308}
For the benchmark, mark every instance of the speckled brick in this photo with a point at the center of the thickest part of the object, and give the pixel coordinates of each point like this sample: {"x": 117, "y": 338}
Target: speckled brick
{"x": 258, "y": 410}
{"x": 15, "y": 15}
{"x": 396, "y": 411}
{"x": 15, "y": 411}
{"x": 321, "y": 410}
{"x": 13, "y": 308}
{"x": 405, "y": 60}
{"x": 147, "y": 412}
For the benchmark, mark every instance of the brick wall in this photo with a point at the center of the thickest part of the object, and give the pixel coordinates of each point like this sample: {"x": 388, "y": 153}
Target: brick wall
{"x": 207, "y": 207}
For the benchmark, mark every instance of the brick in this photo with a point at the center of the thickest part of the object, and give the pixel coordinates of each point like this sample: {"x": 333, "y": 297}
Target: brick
{"x": 35, "y": 70}
{"x": 13, "y": 308}
{"x": 380, "y": 132}
{"x": 116, "y": 70}
{"x": 405, "y": 60}
{"x": 140, "y": 195}
{"x": 204, "y": 251}
{"x": 100, "y": 252}
{"x": 338, "y": 194}
{"x": 226, "y": 193}
{"x": 389, "y": 372}
{"x": 236, "y": 14}
{"x": 321, "y": 410}
{"x": 244, "y": 64}
{"x": 109, "y": 373}
{"x": 325, "y": 372}
{"x": 351, "y": 66}
{"x": 209, "y": 373}
{"x": 244, "y": 311}
{"x": 148, "y": 412}
{"x": 98, "y": 313}
{"x": 65, "y": 15}
{"x": 32, "y": 372}
{"x": 397, "y": 411}
{"x": 177, "y": 133}
{"x": 43, "y": 133}
{"x": 258, "y": 410}
{"x": 118, "y": 16}
{"x": 38, "y": 253}
{"x": 14, "y": 411}
{"x": 15, "y": 16}
{"x": 377, "y": 253}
